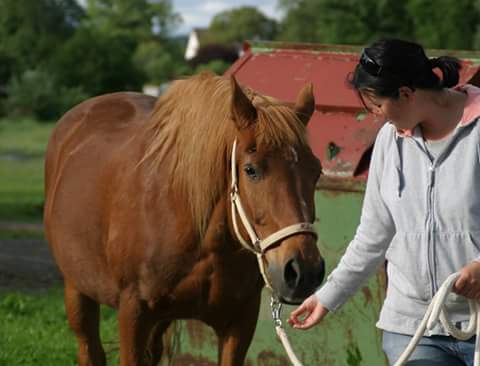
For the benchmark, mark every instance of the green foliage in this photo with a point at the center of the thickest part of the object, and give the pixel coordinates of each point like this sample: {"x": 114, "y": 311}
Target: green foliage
{"x": 240, "y": 24}
{"x": 36, "y": 93}
{"x": 444, "y": 24}
{"x": 35, "y": 331}
{"x": 101, "y": 63}
{"x": 156, "y": 61}
{"x": 447, "y": 24}
{"x": 138, "y": 18}
{"x": 345, "y": 22}
{"x": 31, "y": 30}
{"x": 354, "y": 356}
{"x": 216, "y": 66}
{"x": 84, "y": 53}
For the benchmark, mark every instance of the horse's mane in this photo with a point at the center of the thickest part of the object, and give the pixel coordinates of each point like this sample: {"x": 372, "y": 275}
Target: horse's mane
{"x": 194, "y": 119}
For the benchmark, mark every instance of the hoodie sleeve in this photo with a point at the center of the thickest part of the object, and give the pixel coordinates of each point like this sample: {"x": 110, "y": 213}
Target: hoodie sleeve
{"x": 367, "y": 249}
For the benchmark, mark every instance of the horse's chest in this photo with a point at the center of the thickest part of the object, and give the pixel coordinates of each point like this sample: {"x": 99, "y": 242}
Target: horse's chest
{"x": 212, "y": 282}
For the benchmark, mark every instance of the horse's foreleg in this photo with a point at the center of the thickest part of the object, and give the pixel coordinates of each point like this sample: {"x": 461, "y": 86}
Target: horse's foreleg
{"x": 154, "y": 350}
{"x": 135, "y": 324}
{"x": 83, "y": 317}
{"x": 236, "y": 338}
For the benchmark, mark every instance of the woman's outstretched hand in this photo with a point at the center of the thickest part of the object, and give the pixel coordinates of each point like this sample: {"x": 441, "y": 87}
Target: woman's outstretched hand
{"x": 308, "y": 314}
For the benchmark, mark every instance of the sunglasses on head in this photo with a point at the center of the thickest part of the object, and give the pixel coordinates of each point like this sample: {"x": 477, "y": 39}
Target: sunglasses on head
{"x": 369, "y": 64}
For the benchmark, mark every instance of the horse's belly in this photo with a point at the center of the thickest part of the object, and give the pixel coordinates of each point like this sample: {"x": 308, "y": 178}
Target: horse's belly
{"x": 76, "y": 224}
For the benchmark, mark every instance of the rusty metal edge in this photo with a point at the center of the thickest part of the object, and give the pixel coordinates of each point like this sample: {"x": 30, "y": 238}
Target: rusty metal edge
{"x": 350, "y": 184}
{"x": 268, "y": 46}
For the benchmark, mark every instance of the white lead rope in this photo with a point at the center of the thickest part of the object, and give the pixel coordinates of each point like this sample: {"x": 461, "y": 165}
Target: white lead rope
{"x": 437, "y": 311}
{"x": 282, "y": 335}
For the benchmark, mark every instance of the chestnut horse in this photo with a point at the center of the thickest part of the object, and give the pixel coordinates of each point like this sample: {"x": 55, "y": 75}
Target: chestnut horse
{"x": 137, "y": 212}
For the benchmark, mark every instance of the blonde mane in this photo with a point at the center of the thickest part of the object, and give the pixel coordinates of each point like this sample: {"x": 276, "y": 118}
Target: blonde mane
{"x": 193, "y": 119}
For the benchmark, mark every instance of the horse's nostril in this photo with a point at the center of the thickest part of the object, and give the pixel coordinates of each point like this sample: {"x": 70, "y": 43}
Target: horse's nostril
{"x": 292, "y": 273}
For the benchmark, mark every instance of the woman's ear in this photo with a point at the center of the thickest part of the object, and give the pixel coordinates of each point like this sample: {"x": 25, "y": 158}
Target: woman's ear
{"x": 406, "y": 93}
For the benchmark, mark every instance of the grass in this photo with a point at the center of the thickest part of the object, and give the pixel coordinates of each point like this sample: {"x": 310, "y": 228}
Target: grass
{"x": 26, "y": 137}
{"x": 22, "y": 148}
{"x": 34, "y": 330}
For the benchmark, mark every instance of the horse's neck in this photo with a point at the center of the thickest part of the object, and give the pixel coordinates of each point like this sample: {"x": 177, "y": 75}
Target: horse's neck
{"x": 218, "y": 232}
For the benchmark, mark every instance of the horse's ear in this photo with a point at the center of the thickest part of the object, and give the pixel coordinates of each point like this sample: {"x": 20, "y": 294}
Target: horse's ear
{"x": 305, "y": 104}
{"x": 243, "y": 111}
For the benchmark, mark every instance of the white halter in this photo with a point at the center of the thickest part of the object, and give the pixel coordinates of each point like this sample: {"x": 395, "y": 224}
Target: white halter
{"x": 257, "y": 245}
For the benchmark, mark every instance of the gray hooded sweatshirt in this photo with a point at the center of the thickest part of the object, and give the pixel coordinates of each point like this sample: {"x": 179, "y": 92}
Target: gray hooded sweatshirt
{"x": 422, "y": 216}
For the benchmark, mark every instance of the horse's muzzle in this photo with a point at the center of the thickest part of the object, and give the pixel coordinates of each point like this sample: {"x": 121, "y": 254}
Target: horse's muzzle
{"x": 297, "y": 279}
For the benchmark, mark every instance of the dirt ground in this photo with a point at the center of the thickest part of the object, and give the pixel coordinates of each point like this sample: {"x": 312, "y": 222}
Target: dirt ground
{"x": 27, "y": 264}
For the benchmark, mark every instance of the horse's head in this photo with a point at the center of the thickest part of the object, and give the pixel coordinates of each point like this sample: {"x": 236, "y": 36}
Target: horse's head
{"x": 276, "y": 173}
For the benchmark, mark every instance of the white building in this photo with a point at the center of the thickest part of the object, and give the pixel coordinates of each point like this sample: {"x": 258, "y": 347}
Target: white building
{"x": 193, "y": 43}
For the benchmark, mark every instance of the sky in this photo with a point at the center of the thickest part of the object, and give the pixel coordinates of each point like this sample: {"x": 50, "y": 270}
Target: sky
{"x": 198, "y": 13}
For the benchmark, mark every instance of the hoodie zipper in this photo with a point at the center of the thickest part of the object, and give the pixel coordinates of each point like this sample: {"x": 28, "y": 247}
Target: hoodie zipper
{"x": 431, "y": 248}
{"x": 430, "y": 222}
{"x": 430, "y": 236}
{"x": 429, "y": 219}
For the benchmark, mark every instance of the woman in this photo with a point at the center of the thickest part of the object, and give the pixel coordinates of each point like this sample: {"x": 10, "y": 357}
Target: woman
{"x": 421, "y": 210}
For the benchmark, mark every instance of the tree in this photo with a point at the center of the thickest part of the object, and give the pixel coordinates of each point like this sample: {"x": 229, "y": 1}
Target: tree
{"x": 141, "y": 19}
{"x": 343, "y": 22}
{"x": 443, "y": 24}
{"x": 99, "y": 62}
{"x": 31, "y": 30}
{"x": 36, "y": 93}
{"x": 156, "y": 62}
{"x": 447, "y": 24}
{"x": 240, "y": 24}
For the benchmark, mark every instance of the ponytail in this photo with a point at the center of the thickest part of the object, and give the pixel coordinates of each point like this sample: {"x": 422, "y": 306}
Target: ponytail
{"x": 450, "y": 68}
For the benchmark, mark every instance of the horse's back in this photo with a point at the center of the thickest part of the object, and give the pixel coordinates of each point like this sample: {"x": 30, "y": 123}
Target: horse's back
{"x": 103, "y": 122}
{"x": 91, "y": 147}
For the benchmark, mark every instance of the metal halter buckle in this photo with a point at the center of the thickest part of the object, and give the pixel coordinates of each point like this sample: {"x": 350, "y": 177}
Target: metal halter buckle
{"x": 276, "y": 311}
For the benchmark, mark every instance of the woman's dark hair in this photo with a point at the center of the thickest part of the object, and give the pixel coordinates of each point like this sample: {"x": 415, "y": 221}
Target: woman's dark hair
{"x": 389, "y": 64}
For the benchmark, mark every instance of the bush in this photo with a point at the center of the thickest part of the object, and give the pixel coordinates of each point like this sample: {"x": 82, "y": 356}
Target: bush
{"x": 98, "y": 62}
{"x": 217, "y": 66}
{"x": 36, "y": 93}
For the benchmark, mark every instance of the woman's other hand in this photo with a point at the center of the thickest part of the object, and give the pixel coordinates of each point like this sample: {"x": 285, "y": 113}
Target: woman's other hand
{"x": 468, "y": 284}
{"x": 308, "y": 314}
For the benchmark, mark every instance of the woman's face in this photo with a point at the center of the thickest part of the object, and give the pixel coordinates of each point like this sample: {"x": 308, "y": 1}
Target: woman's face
{"x": 401, "y": 111}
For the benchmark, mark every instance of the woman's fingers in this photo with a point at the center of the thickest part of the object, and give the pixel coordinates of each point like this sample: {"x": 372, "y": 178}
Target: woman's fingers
{"x": 460, "y": 284}
{"x": 310, "y": 320}
{"x": 309, "y": 313}
{"x": 297, "y": 313}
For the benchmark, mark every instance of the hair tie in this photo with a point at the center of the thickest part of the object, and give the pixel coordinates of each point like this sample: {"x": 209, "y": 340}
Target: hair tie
{"x": 434, "y": 62}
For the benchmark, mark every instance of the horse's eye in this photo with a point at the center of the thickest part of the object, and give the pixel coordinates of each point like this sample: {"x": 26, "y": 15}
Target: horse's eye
{"x": 251, "y": 171}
